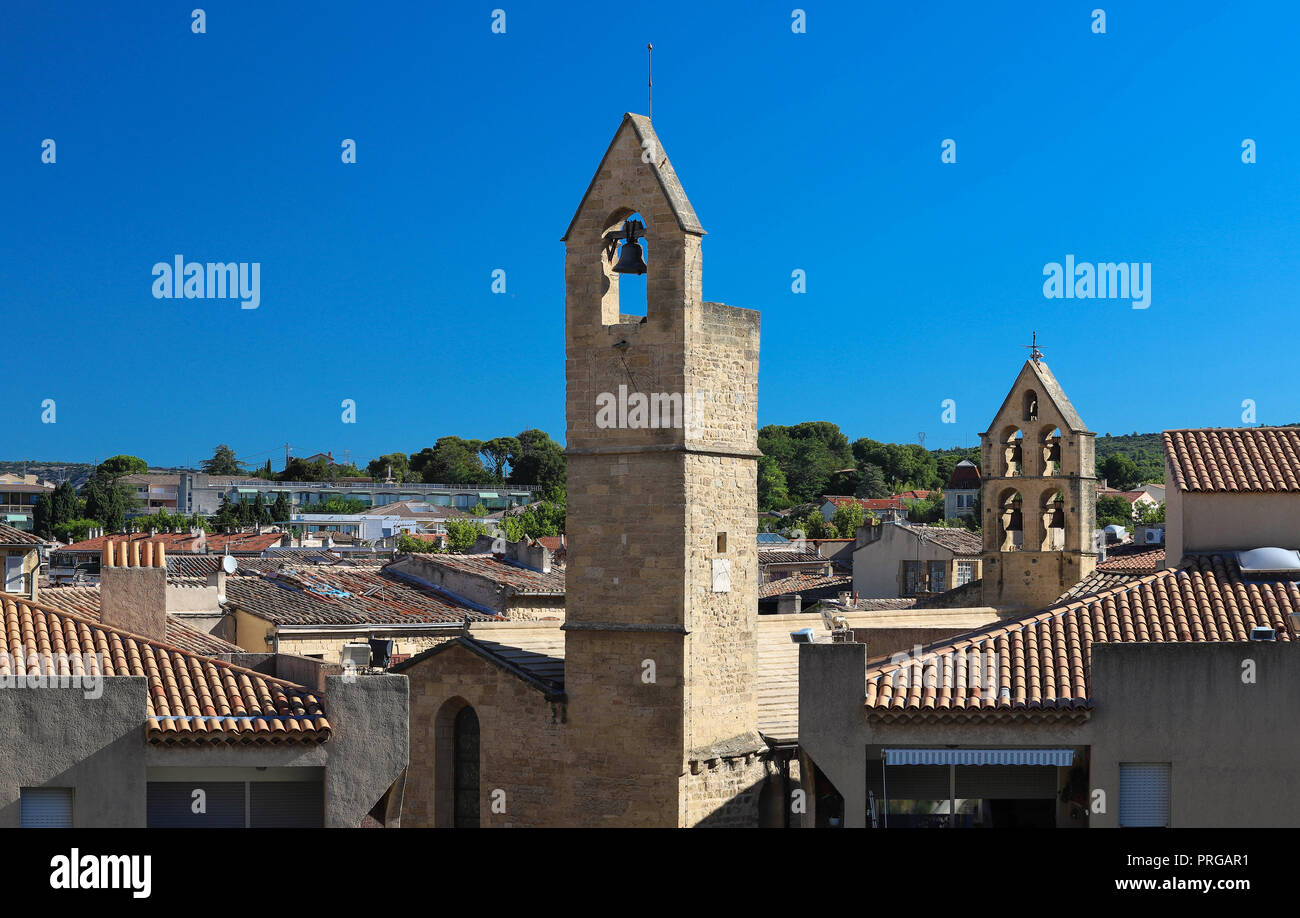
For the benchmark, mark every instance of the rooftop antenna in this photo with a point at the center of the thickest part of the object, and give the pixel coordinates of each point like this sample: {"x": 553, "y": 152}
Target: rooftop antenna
{"x": 1035, "y": 353}
{"x": 649, "y": 82}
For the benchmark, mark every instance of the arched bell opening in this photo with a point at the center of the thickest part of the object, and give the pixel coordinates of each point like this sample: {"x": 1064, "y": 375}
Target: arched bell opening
{"x": 1050, "y": 447}
{"x": 1052, "y": 509}
{"x": 626, "y": 262}
{"x": 1013, "y": 452}
{"x": 1031, "y": 405}
{"x": 1011, "y": 521}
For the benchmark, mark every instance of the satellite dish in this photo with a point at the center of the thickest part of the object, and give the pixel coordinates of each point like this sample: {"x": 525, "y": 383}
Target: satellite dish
{"x": 229, "y": 564}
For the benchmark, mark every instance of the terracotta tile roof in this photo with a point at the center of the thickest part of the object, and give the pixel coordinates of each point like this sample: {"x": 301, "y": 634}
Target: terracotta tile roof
{"x": 1220, "y": 459}
{"x": 242, "y": 542}
{"x": 1129, "y": 496}
{"x": 533, "y": 652}
{"x": 1132, "y": 559}
{"x": 216, "y": 542}
{"x": 522, "y": 580}
{"x": 959, "y": 541}
{"x": 884, "y": 503}
{"x": 1098, "y": 581}
{"x": 785, "y": 554}
{"x": 1038, "y": 665}
{"x": 914, "y": 494}
{"x": 10, "y": 535}
{"x": 343, "y": 595}
{"x": 885, "y": 604}
{"x": 192, "y": 699}
{"x": 965, "y": 477}
{"x": 805, "y": 583}
{"x": 175, "y": 541}
{"x": 84, "y": 601}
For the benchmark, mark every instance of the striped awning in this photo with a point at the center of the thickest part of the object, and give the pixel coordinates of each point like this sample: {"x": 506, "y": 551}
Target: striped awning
{"x": 1058, "y": 757}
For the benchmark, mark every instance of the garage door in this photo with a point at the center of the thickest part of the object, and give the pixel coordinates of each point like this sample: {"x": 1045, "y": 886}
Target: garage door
{"x": 236, "y": 804}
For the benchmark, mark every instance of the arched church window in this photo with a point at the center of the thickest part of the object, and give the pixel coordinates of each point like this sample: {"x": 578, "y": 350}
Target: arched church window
{"x": 465, "y": 766}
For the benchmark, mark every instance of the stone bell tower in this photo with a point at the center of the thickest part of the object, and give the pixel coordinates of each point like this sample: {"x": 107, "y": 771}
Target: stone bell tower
{"x": 662, "y": 579}
{"x": 1038, "y": 494}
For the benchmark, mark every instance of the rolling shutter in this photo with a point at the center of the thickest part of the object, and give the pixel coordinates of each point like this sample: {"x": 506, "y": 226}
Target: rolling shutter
{"x": 287, "y": 805}
{"x": 46, "y": 808}
{"x": 1144, "y": 795}
{"x": 170, "y": 805}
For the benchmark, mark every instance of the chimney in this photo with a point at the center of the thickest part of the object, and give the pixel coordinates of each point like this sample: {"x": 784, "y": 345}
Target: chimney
{"x": 133, "y": 588}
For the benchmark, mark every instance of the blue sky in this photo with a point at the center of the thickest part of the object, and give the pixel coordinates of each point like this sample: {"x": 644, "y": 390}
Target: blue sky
{"x": 816, "y": 151}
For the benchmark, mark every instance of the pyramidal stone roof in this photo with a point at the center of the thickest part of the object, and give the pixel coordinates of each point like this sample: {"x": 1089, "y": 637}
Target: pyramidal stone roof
{"x": 642, "y": 132}
{"x": 1041, "y": 378}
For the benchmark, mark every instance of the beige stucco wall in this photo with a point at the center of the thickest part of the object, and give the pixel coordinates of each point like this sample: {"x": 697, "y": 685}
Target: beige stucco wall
{"x": 878, "y": 565}
{"x": 1217, "y": 522}
{"x": 1230, "y": 742}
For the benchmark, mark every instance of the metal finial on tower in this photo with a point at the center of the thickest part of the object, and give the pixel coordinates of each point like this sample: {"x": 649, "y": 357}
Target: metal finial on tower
{"x": 1035, "y": 352}
{"x": 649, "y": 81}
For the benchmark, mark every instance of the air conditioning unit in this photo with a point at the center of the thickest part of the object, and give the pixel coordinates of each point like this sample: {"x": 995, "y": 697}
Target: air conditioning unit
{"x": 356, "y": 654}
{"x": 1262, "y": 633}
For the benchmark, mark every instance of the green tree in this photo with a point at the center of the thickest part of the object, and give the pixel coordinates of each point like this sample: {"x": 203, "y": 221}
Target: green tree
{"x": 298, "y": 469}
{"x": 43, "y": 517}
{"x": 106, "y": 503}
{"x": 808, "y": 454}
{"x": 227, "y": 515}
{"x": 542, "y": 518}
{"x": 1151, "y": 515}
{"x": 223, "y": 462}
{"x": 540, "y": 461}
{"x": 496, "y": 455}
{"x": 65, "y": 503}
{"x": 462, "y": 534}
{"x": 873, "y": 485}
{"x": 772, "y": 491}
{"x": 411, "y": 544}
{"x": 1120, "y": 472}
{"x": 261, "y": 515}
{"x": 1114, "y": 511}
{"x": 451, "y": 460}
{"x": 336, "y": 506}
{"x": 926, "y": 511}
{"x": 904, "y": 465}
{"x": 74, "y": 530}
{"x": 282, "y": 509}
{"x": 115, "y": 467}
{"x": 847, "y": 519}
{"x": 395, "y": 465}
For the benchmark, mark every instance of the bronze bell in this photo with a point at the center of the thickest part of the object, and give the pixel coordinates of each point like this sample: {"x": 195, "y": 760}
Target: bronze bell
{"x": 1016, "y": 453}
{"x": 1017, "y": 522}
{"x": 1058, "y": 518}
{"x": 629, "y": 259}
{"x": 1054, "y": 450}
